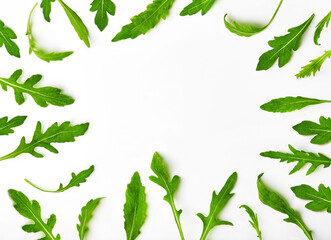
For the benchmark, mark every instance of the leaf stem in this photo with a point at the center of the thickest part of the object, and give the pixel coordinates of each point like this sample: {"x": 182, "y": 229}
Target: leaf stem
{"x": 177, "y": 219}
{"x": 275, "y": 13}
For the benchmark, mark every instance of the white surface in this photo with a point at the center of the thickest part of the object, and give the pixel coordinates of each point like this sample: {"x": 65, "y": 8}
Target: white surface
{"x": 187, "y": 89}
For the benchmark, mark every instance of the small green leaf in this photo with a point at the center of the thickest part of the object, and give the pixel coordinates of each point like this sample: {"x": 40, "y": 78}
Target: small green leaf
{"x": 6, "y": 126}
{"x": 46, "y": 5}
{"x": 54, "y": 134}
{"x": 322, "y": 130}
{"x": 277, "y": 202}
{"x": 75, "y": 181}
{"x": 254, "y": 220}
{"x": 319, "y": 200}
{"x": 283, "y": 47}
{"x": 6, "y": 34}
{"x": 290, "y": 104}
{"x": 320, "y": 26}
{"x": 135, "y": 207}
{"x": 32, "y": 211}
{"x": 301, "y": 157}
{"x": 196, "y": 6}
{"x": 86, "y": 216}
{"x": 102, "y": 7}
{"x": 218, "y": 202}
{"x": 77, "y": 23}
{"x": 42, "y": 96}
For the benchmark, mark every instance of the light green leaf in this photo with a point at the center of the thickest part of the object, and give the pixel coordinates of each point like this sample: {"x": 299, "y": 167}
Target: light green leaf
{"x": 277, "y": 202}
{"x": 54, "y": 134}
{"x": 283, "y": 47}
{"x": 146, "y": 20}
{"x": 197, "y": 5}
{"x": 102, "y": 7}
{"x": 75, "y": 181}
{"x": 301, "y": 157}
{"x": 6, "y": 126}
{"x": 135, "y": 207}
{"x": 32, "y": 211}
{"x": 46, "y": 5}
{"x": 320, "y": 26}
{"x": 6, "y": 36}
{"x": 254, "y": 220}
{"x": 314, "y": 66}
{"x": 218, "y": 202}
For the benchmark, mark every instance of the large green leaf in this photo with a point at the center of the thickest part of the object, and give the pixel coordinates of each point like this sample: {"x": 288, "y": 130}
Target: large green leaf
{"x": 6, "y": 126}
{"x": 6, "y": 36}
{"x": 46, "y": 5}
{"x": 103, "y": 8}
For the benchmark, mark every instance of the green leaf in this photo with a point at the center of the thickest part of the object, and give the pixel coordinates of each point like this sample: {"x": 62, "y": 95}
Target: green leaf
{"x": 146, "y": 20}
{"x": 135, "y": 207}
{"x": 290, "y": 104}
{"x": 254, "y": 220}
{"x": 54, "y": 134}
{"x": 314, "y": 66}
{"x": 323, "y": 23}
{"x": 39, "y": 52}
{"x": 6, "y": 126}
{"x": 32, "y": 211}
{"x": 322, "y": 130}
{"x": 196, "y": 6}
{"x": 277, "y": 202}
{"x": 75, "y": 181}
{"x": 247, "y": 29}
{"x": 283, "y": 47}
{"x": 218, "y": 202}
{"x": 77, "y": 23}
{"x": 319, "y": 200}
{"x": 6, "y": 34}
{"x": 301, "y": 157}
{"x": 102, "y": 7}
{"x": 46, "y": 5}
{"x": 86, "y": 216}
{"x": 42, "y": 96}
{"x": 162, "y": 179}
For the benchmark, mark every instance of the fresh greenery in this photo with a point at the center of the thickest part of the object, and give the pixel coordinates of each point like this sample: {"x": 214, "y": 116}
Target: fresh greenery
{"x": 320, "y": 26}
{"x": 102, "y": 7}
{"x": 6, "y": 126}
{"x": 314, "y": 66}
{"x": 322, "y": 131}
{"x": 254, "y": 220}
{"x": 6, "y": 36}
{"x": 290, "y": 104}
{"x": 301, "y": 157}
{"x": 217, "y": 204}
{"x": 135, "y": 207}
{"x": 319, "y": 200}
{"x": 196, "y": 6}
{"x": 54, "y": 134}
{"x": 146, "y": 20}
{"x": 46, "y": 5}
{"x": 42, "y": 96}
{"x": 39, "y": 52}
{"x": 248, "y": 29}
{"x": 75, "y": 181}
{"x": 277, "y": 202}
{"x": 283, "y": 46}
{"x": 163, "y": 179}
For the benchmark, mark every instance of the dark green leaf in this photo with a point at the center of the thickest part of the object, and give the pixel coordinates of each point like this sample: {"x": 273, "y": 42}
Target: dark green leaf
{"x": 323, "y": 23}
{"x": 254, "y": 220}
{"x": 197, "y": 6}
{"x": 102, "y": 7}
{"x": 46, "y": 5}
{"x": 6, "y": 34}
{"x": 6, "y": 126}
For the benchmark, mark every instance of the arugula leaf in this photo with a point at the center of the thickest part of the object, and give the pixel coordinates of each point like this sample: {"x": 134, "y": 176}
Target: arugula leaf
{"x": 135, "y": 207}
{"x": 290, "y": 104}
{"x": 102, "y": 7}
{"x": 170, "y": 185}
{"x": 86, "y": 216}
{"x": 324, "y": 22}
{"x": 54, "y": 134}
{"x": 143, "y": 22}
{"x": 322, "y": 130}
{"x": 320, "y": 200}
{"x": 32, "y": 211}
{"x": 75, "y": 181}
{"x": 46, "y": 5}
{"x": 247, "y": 29}
{"x": 40, "y": 53}
{"x": 6, "y": 34}
{"x": 77, "y": 23}
{"x": 196, "y": 6}
{"x": 254, "y": 220}
{"x": 301, "y": 157}
{"x": 283, "y": 47}
{"x": 6, "y": 126}
{"x": 217, "y": 204}
{"x": 314, "y": 66}
{"x": 277, "y": 202}
{"x": 42, "y": 96}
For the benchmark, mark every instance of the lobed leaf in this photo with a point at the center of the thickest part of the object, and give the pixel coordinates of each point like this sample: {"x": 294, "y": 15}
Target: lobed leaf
{"x": 196, "y": 6}
{"x": 254, "y": 220}
{"x": 46, "y": 5}
{"x": 102, "y": 7}
{"x": 314, "y": 66}
{"x": 320, "y": 26}
{"x": 6, "y": 36}
{"x": 6, "y": 126}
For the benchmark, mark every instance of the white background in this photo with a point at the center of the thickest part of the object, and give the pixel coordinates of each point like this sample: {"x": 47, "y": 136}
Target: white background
{"x": 187, "y": 89}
